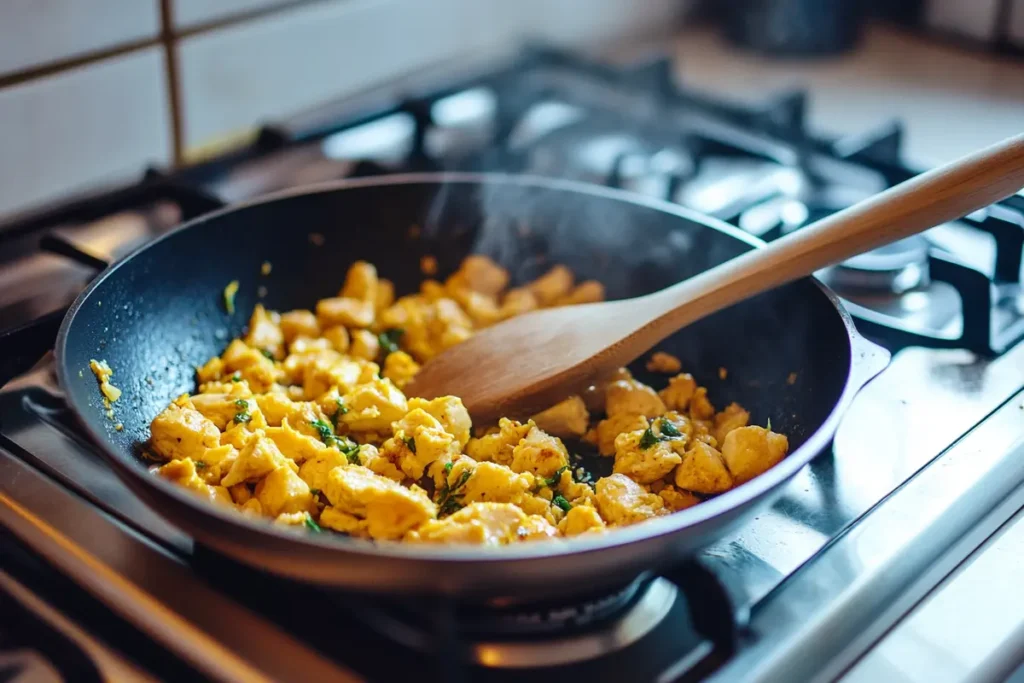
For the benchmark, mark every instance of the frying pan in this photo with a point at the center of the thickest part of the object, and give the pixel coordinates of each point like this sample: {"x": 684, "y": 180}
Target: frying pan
{"x": 791, "y": 355}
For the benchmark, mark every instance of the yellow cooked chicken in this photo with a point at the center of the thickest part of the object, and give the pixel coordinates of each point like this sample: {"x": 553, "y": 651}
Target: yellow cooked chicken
{"x": 303, "y": 421}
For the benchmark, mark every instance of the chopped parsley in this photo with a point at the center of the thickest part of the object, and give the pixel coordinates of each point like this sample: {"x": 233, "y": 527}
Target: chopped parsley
{"x": 648, "y": 439}
{"x": 411, "y": 444}
{"x": 353, "y": 456}
{"x": 388, "y": 340}
{"x": 242, "y": 416}
{"x": 268, "y": 353}
{"x": 341, "y": 410}
{"x": 327, "y": 435}
{"x": 236, "y": 377}
{"x": 769, "y": 427}
{"x": 554, "y": 479}
{"x": 448, "y": 467}
{"x": 561, "y": 502}
{"x": 668, "y": 429}
{"x": 311, "y": 525}
{"x": 450, "y": 498}
{"x": 315, "y": 492}
{"x": 200, "y": 464}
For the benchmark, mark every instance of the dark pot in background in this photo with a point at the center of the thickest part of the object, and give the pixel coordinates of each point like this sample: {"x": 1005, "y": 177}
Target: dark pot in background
{"x": 794, "y": 27}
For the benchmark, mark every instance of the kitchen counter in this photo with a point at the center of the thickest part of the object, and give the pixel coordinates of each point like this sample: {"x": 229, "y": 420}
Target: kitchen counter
{"x": 951, "y": 100}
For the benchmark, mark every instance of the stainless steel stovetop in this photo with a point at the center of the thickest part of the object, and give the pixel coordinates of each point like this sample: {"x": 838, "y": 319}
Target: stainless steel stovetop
{"x": 894, "y": 556}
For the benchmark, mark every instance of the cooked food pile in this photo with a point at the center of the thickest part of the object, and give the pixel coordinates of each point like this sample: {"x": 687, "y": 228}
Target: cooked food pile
{"x": 303, "y": 421}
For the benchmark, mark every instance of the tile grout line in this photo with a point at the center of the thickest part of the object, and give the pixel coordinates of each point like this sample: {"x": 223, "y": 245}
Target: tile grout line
{"x": 170, "y": 48}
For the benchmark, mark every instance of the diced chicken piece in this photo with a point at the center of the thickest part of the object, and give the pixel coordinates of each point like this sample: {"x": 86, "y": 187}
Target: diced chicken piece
{"x": 373, "y": 406}
{"x": 211, "y": 371}
{"x": 700, "y": 406}
{"x": 292, "y": 519}
{"x": 360, "y": 282}
{"x": 749, "y": 451}
{"x": 178, "y": 433}
{"x": 400, "y": 368}
{"x": 552, "y": 285}
{"x": 594, "y": 395}
{"x": 733, "y": 417}
{"x": 607, "y": 430}
{"x": 703, "y": 470}
{"x": 293, "y": 444}
{"x": 679, "y": 391}
{"x": 282, "y": 492}
{"x": 570, "y": 489}
{"x": 325, "y": 372}
{"x": 581, "y": 519}
{"x": 676, "y": 500}
{"x": 492, "y": 483}
{"x": 250, "y": 364}
{"x": 258, "y": 458}
{"x": 251, "y": 508}
{"x": 664, "y": 362}
{"x": 240, "y": 493}
{"x": 228, "y": 410}
{"x": 389, "y": 509}
{"x": 275, "y": 407}
{"x": 480, "y": 274}
{"x": 536, "y": 528}
{"x": 449, "y": 411}
{"x": 299, "y": 324}
{"x": 338, "y": 336}
{"x": 622, "y": 501}
{"x": 540, "y": 454}
{"x": 364, "y": 345}
{"x": 314, "y": 471}
{"x": 566, "y": 419}
{"x": 481, "y": 308}
{"x": 419, "y": 440}
{"x": 183, "y": 473}
{"x": 478, "y": 523}
{"x": 589, "y": 292}
{"x": 630, "y": 397}
{"x": 345, "y": 311}
{"x": 643, "y": 462}
{"x": 517, "y": 302}
{"x": 343, "y": 522}
{"x": 265, "y": 333}
{"x": 385, "y": 294}
{"x": 498, "y": 447}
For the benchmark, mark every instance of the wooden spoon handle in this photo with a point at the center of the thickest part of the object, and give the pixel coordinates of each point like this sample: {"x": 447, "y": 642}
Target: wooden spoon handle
{"x": 943, "y": 194}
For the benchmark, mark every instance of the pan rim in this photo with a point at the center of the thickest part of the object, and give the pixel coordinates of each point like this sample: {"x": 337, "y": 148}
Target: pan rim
{"x": 721, "y": 505}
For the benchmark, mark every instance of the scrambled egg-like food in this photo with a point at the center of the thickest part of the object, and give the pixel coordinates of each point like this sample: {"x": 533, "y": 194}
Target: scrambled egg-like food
{"x": 303, "y": 421}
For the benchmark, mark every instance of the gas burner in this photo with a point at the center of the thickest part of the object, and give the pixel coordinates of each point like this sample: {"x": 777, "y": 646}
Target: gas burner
{"x": 893, "y": 269}
{"x": 529, "y": 635}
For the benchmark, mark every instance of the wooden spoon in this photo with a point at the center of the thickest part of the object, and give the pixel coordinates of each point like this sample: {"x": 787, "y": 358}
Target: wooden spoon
{"x": 528, "y": 363}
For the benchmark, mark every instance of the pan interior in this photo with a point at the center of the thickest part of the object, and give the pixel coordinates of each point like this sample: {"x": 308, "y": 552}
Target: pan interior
{"x": 784, "y": 355}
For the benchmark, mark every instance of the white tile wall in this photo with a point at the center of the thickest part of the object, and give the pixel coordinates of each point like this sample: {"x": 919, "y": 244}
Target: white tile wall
{"x": 34, "y": 32}
{"x": 189, "y": 13}
{"x": 88, "y": 126}
{"x": 241, "y": 75}
{"x": 283, "y": 63}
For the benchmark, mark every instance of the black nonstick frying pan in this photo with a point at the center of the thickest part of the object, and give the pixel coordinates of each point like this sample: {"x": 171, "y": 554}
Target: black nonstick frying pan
{"x": 159, "y": 312}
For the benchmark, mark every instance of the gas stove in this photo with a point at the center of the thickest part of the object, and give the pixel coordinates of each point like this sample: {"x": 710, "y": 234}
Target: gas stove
{"x": 923, "y": 481}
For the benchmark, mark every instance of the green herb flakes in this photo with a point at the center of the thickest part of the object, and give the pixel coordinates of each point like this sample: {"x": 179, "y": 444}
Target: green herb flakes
{"x": 648, "y": 439}
{"x": 668, "y": 429}
{"x": 450, "y": 498}
{"x": 389, "y": 340}
{"x": 267, "y": 353}
{"x": 411, "y": 444}
{"x": 561, "y": 502}
{"x": 311, "y": 524}
{"x": 236, "y": 377}
{"x": 242, "y": 416}
{"x": 200, "y": 465}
